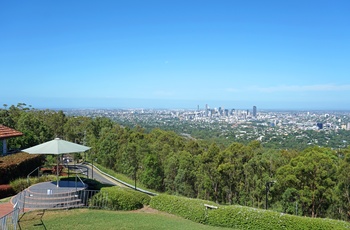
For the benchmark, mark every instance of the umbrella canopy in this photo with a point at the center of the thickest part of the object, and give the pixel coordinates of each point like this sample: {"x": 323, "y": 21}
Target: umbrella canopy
{"x": 56, "y": 146}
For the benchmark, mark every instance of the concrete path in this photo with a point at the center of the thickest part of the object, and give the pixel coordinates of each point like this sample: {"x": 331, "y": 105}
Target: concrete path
{"x": 94, "y": 174}
{"x": 5, "y": 208}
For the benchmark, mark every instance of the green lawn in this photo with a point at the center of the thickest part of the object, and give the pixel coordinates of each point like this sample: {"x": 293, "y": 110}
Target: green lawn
{"x": 5, "y": 200}
{"x": 101, "y": 219}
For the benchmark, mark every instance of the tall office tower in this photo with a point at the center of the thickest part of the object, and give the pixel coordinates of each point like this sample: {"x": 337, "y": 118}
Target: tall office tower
{"x": 197, "y": 108}
{"x": 254, "y": 111}
{"x": 226, "y": 112}
{"x": 206, "y": 110}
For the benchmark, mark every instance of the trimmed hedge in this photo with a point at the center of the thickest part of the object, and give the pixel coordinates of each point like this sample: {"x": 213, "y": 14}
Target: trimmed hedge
{"x": 6, "y": 191}
{"x": 239, "y": 217}
{"x": 18, "y": 165}
{"x": 188, "y": 208}
{"x": 118, "y": 198}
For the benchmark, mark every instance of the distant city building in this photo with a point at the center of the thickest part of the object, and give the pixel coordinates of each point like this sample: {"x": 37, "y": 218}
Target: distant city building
{"x": 254, "y": 111}
{"x": 319, "y": 125}
{"x": 206, "y": 110}
{"x": 226, "y": 112}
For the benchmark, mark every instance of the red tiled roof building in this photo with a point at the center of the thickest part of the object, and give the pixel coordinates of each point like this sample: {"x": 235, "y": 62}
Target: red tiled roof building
{"x": 5, "y": 133}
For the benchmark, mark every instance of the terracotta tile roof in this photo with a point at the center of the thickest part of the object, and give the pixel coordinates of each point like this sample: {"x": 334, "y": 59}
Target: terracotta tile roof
{"x": 6, "y": 132}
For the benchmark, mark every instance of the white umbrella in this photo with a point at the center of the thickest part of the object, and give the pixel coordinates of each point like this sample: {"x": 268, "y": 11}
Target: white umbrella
{"x": 57, "y": 147}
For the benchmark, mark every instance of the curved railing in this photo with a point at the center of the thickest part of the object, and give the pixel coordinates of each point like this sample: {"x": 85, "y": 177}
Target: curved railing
{"x": 37, "y": 168}
{"x": 76, "y": 176}
{"x": 122, "y": 182}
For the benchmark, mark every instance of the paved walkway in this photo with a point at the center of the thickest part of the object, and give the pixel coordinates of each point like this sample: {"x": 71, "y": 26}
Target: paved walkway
{"x": 96, "y": 175}
{"x": 5, "y": 208}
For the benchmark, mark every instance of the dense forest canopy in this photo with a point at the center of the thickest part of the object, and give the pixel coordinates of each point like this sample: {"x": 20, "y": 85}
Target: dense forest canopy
{"x": 310, "y": 182}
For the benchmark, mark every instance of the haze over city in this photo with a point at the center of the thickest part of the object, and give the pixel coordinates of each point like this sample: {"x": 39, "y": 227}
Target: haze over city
{"x": 175, "y": 54}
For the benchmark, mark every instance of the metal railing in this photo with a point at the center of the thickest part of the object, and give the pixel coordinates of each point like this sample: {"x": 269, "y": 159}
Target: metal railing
{"x": 37, "y": 168}
{"x": 41, "y": 200}
{"x": 77, "y": 169}
{"x": 10, "y": 221}
{"x": 76, "y": 176}
{"x": 122, "y": 182}
{"x": 44, "y": 199}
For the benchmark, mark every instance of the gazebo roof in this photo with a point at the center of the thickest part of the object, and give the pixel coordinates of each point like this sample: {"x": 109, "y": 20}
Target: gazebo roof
{"x": 6, "y": 132}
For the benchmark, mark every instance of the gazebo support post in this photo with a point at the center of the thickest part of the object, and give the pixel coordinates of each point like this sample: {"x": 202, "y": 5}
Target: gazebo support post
{"x": 4, "y": 147}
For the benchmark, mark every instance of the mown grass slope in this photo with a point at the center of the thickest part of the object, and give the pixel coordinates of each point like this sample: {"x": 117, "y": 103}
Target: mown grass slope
{"x": 101, "y": 219}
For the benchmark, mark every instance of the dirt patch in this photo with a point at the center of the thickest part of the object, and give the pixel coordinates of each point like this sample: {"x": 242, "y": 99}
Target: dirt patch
{"x": 146, "y": 209}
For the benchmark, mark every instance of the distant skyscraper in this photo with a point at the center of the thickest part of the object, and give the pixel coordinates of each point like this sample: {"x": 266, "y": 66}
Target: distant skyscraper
{"x": 206, "y": 110}
{"x": 254, "y": 111}
{"x": 226, "y": 112}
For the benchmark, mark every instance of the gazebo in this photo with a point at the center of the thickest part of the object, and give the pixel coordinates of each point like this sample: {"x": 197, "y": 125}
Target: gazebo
{"x": 5, "y": 133}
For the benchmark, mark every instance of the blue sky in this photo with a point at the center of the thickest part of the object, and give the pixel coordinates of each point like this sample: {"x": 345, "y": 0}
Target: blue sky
{"x": 175, "y": 54}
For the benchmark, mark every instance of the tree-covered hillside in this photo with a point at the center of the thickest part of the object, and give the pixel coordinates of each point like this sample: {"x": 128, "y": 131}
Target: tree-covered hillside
{"x": 311, "y": 182}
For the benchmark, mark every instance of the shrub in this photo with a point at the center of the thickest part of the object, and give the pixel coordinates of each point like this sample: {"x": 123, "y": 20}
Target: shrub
{"x": 239, "y": 217}
{"x": 117, "y": 198}
{"x": 20, "y": 184}
{"x": 142, "y": 197}
{"x": 192, "y": 209}
{"x": 18, "y": 165}
{"x": 6, "y": 190}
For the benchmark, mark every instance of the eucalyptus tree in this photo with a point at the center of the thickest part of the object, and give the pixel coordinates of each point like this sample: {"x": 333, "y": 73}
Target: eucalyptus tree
{"x": 34, "y": 129}
{"x": 343, "y": 186}
{"x": 107, "y": 148}
{"x": 54, "y": 120}
{"x": 77, "y": 128}
{"x": 309, "y": 179}
{"x": 152, "y": 174}
{"x": 231, "y": 162}
{"x": 185, "y": 178}
{"x": 208, "y": 177}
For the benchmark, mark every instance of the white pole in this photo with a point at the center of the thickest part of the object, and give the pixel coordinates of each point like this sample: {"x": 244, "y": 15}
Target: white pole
{"x": 57, "y": 171}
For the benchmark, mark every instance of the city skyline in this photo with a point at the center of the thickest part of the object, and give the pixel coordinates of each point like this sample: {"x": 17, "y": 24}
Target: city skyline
{"x": 161, "y": 54}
